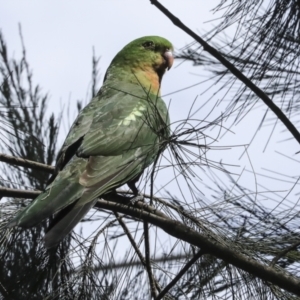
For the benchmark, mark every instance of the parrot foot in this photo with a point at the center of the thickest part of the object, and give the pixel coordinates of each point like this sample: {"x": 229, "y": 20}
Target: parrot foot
{"x": 135, "y": 199}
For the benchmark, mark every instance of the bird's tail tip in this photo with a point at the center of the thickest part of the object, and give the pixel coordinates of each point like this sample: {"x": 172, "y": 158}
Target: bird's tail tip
{"x": 11, "y": 224}
{"x": 50, "y": 241}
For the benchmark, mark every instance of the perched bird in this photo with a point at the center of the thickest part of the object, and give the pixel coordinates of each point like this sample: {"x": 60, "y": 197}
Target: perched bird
{"x": 113, "y": 139}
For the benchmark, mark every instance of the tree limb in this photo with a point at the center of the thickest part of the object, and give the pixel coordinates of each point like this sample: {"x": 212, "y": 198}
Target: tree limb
{"x": 207, "y": 244}
{"x": 206, "y": 47}
{"x": 17, "y": 161}
{"x": 137, "y": 263}
{"x": 148, "y": 263}
{"x": 8, "y": 192}
{"x": 180, "y": 274}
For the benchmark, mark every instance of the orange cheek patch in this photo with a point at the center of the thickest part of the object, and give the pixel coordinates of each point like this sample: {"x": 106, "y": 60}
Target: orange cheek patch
{"x": 148, "y": 78}
{"x": 153, "y": 80}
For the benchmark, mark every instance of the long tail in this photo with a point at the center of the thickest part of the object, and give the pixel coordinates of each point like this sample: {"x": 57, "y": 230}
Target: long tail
{"x": 64, "y": 222}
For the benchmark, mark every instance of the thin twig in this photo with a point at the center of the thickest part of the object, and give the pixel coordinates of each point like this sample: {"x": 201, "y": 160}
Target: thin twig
{"x": 136, "y": 263}
{"x": 148, "y": 264}
{"x": 132, "y": 241}
{"x": 180, "y": 274}
{"x": 283, "y": 253}
{"x": 136, "y": 248}
{"x": 206, "y": 47}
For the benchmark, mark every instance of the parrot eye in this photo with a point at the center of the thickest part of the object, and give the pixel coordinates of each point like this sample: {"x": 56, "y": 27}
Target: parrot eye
{"x": 148, "y": 45}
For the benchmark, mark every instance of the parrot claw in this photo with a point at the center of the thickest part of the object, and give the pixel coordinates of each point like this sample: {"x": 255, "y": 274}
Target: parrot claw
{"x": 135, "y": 199}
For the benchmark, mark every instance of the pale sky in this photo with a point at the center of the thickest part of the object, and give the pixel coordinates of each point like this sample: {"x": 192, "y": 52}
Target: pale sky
{"x": 59, "y": 36}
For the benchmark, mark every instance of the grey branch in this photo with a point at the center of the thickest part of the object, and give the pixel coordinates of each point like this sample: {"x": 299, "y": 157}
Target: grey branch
{"x": 180, "y": 274}
{"x": 8, "y": 192}
{"x": 178, "y": 230}
{"x": 17, "y": 161}
{"x": 208, "y": 244}
{"x": 238, "y": 74}
{"x": 138, "y": 263}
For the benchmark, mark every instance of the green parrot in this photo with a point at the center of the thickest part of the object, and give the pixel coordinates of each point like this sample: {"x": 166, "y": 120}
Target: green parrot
{"x": 113, "y": 139}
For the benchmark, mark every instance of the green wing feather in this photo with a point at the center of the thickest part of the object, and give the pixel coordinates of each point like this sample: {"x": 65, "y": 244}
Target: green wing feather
{"x": 121, "y": 139}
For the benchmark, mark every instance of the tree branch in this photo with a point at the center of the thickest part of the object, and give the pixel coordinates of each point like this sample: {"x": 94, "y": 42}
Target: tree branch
{"x": 8, "y": 192}
{"x": 132, "y": 241}
{"x": 132, "y": 263}
{"x": 271, "y": 105}
{"x": 284, "y": 253}
{"x": 180, "y": 274}
{"x": 206, "y": 243}
{"x": 148, "y": 263}
{"x": 17, "y": 161}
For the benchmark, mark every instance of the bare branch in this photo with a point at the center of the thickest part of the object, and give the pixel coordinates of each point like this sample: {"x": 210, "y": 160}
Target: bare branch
{"x": 271, "y": 105}
{"x": 125, "y": 264}
{"x": 131, "y": 239}
{"x": 8, "y": 192}
{"x": 207, "y": 243}
{"x": 283, "y": 253}
{"x": 180, "y": 274}
{"x": 148, "y": 263}
{"x": 17, "y": 161}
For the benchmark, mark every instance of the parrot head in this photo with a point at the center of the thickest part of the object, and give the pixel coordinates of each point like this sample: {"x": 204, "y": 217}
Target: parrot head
{"x": 142, "y": 61}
